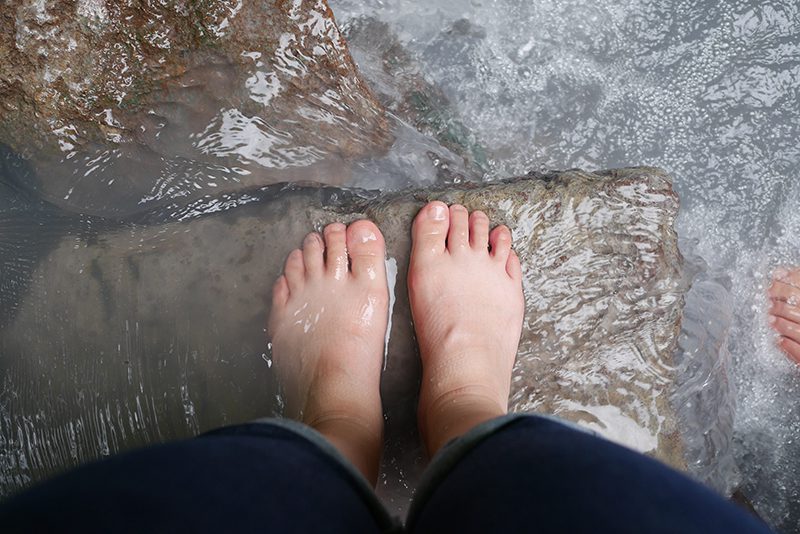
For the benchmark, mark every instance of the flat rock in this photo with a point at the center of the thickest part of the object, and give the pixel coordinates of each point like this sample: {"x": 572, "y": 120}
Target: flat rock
{"x": 128, "y": 333}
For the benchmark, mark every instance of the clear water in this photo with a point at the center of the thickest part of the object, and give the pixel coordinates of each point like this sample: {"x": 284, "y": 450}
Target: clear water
{"x": 707, "y": 90}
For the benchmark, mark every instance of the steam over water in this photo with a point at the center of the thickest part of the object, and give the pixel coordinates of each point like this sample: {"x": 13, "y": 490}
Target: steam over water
{"x": 707, "y": 90}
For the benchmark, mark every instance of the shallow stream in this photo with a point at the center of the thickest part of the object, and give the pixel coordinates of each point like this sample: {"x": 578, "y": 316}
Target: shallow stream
{"x": 709, "y": 91}
{"x": 706, "y": 90}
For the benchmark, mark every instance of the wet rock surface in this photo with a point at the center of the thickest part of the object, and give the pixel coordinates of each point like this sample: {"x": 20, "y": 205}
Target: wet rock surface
{"x": 152, "y": 101}
{"x": 128, "y": 333}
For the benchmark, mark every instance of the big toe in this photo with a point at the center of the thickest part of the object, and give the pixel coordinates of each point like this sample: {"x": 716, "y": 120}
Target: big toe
{"x": 367, "y": 251}
{"x": 429, "y": 230}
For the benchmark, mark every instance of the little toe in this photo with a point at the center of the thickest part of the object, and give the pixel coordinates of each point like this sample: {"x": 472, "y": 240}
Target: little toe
{"x": 280, "y": 292}
{"x": 294, "y": 270}
{"x": 513, "y": 266}
{"x": 313, "y": 254}
{"x": 367, "y": 251}
{"x": 500, "y": 241}
{"x": 479, "y": 231}
{"x": 336, "y": 250}
{"x": 458, "y": 234}
{"x": 429, "y": 230}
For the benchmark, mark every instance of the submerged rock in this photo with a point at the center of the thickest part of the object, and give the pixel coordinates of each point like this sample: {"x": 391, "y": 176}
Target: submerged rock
{"x": 123, "y": 105}
{"x": 126, "y": 334}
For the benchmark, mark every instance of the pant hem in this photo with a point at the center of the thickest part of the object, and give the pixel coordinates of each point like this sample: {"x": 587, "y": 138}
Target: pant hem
{"x": 386, "y": 522}
{"x": 451, "y": 454}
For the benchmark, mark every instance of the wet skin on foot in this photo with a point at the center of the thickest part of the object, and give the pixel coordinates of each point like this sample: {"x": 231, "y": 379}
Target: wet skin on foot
{"x": 327, "y": 326}
{"x": 465, "y": 290}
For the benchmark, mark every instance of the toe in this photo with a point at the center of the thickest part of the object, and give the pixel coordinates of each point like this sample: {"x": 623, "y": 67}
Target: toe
{"x": 280, "y": 292}
{"x": 313, "y": 254}
{"x": 788, "y": 275}
{"x": 367, "y": 251}
{"x": 429, "y": 230}
{"x": 294, "y": 270}
{"x": 790, "y": 347}
{"x": 513, "y": 267}
{"x": 458, "y": 235}
{"x": 479, "y": 231}
{"x": 788, "y": 329}
{"x": 336, "y": 250}
{"x": 782, "y": 290}
{"x": 500, "y": 241}
{"x": 783, "y": 309}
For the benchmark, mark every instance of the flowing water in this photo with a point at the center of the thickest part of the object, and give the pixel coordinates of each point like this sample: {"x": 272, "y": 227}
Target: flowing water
{"x": 709, "y": 91}
{"x": 706, "y": 90}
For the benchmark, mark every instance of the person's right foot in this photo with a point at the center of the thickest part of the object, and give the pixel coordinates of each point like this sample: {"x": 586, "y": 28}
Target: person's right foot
{"x": 328, "y": 326}
{"x": 784, "y": 314}
{"x": 467, "y": 305}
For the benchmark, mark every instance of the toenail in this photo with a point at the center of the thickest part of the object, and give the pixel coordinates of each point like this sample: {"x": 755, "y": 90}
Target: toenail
{"x": 366, "y": 235}
{"x": 438, "y": 212}
{"x": 458, "y": 207}
{"x": 780, "y": 273}
{"x": 772, "y": 319}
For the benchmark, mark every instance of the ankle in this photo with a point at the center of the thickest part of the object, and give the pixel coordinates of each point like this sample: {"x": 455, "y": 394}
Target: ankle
{"x": 456, "y": 412}
{"x": 355, "y": 438}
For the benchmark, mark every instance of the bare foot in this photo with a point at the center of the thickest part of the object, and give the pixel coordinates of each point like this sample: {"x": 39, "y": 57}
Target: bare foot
{"x": 784, "y": 314}
{"x": 328, "y": 326}
{"x": 467, "y": 306}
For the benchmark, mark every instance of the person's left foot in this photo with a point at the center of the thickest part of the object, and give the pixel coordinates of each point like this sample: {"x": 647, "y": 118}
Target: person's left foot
{"x": 784, "y": 313}
{"x": 328, "y": 328}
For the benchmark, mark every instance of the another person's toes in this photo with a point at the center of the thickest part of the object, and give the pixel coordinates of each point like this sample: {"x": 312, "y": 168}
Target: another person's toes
{"x": 479, "y": 231}
{"x": 336, "y": 250}
{"x": 786, "y": 328}
{"x": 367, "y": 251}
{"x": 790, "y": 347}
{"x": 785, "y": 292}
{"x": 458, "y": 234}
{"x": 783, "y": 309}
{"x": 500, "y": 241}
{"x": 313, "y": 254}
{"x": 294, "y": 270}
{"x": 429, "y": 230}
{"x": 790, "y": 276}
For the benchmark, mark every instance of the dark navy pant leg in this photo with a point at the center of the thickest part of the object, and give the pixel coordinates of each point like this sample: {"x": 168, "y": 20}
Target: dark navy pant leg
{"x": 537, "y": 475}
{"x": 249, "y": 478}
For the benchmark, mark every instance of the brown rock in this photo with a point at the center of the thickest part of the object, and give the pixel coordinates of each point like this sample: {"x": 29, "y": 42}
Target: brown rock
{"x": 122, "y": 105}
